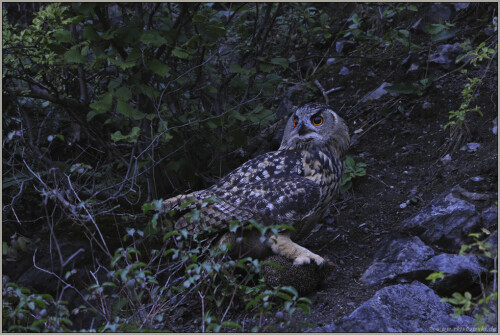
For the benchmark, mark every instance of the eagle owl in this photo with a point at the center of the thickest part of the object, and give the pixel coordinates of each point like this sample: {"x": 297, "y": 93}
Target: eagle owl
{"x": 291, "y": 186}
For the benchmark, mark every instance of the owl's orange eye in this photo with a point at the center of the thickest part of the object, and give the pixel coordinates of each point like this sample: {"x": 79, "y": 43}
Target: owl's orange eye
{"x": 317, "y": 120}
{"x": 295, "y": 122}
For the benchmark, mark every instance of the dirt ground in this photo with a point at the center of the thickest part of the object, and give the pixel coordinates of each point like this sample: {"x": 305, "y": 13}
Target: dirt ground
{"x": 403, "y": 153}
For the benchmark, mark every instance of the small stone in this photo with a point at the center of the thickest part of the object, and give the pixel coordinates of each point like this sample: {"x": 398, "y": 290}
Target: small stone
{"x": 330, "y": 61}
{"x": 473, "y": 146}
{"x": 376, "y": 94}
{"x": 446, "y": 158}
{"x": 426, "y": 105}
{"x": 339, "y": 46}
{"x": 413, "y": 67}
{"x": 344, "y": 71}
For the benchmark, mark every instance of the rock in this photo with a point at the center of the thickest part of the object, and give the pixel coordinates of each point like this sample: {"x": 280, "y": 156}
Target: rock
{"x": 446, "y": 222}
{"x": 330, "y": 328}
{"x": 376, "y": 94}
{"x": 330, "y": 61}
{"x": 446, "y": 158}
{"x": 409, "y": 259}
{"x": 470, "y": 147}
{"x": 427, "y": 105}
{"x": 405, "y": 308}
{"x": 413, "y": 67}
{"x": 493, "y": 240}
{"x": 344, "y": 71}
{"x": 460, "y": 5}
{"x": 462, "y": 273}
{"x": 305, "y": 278}
{"x": 402, "y": 256}
{"x": 339, "y": 46}
{"x": 490, "y": 217}
{"x": 446, "y": 54}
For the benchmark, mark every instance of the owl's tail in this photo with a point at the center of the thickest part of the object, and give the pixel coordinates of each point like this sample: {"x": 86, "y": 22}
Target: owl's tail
{"x": 176, "y": 202}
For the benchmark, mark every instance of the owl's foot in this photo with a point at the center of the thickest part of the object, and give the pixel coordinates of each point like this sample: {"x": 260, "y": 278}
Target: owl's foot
{"x": 307, "y": 258}
{"x": 283, "y": 245}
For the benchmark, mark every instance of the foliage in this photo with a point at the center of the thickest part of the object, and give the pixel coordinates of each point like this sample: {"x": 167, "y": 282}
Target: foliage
{"x": 465, "y": 302}
{"x": 24, "y": 311}
{"x": 109, "y": 106}
{"x": 370, "y": 38}
{"x": 478, "y": 54}
{"x": 457, "y": 117}
{"x": 141, "y": 95}
{"x": 146, "y": 287}
{"x": 353, "y": 168}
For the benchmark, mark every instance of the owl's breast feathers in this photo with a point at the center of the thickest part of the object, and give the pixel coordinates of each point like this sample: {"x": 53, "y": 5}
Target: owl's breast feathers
{"x": 289, "y": 187}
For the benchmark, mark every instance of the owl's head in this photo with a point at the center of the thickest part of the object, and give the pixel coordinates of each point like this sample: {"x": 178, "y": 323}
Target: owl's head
{"x": 316, "y": 125}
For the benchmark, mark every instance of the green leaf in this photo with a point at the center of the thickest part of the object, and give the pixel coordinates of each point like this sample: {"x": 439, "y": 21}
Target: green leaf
{"x": 231, "y": 324}
{"x": 266, "y": 67}
{"x": 123, "y": 65}
{"x": 404, "y": 32}
{"x": 129, "y": 111}
{"x": 213, "y": 32}
{"x": 199, "y": 18}
{"x": 236, "y": 68}
{"x": 86, "y": 7}
{"x": 154, "y": 205}
{"x": 403, "y": 88}
{"x": 109, "y": 34}
{"x": 158, "y": 67}
{"x": 57, "y": 48}
{"x": 290, "y": 289}
{"x": 74, "y": 56}
{"x": 283, "y": 62}
{"x": 444, "y": 35}
{"x": 435, "y": 28}
{"x": 101, "y": 106}
{"x": 179, "y": 53}
{"x": 123, "y": 93}
{"x": 62, "y": 35}
{"x": 211, "y": 200}
{"x": 153, "y": 37}
{"x": 90, "y": 34}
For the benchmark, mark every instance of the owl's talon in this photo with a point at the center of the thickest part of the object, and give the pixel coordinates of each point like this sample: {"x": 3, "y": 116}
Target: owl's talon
{"x": 306, "y": 259}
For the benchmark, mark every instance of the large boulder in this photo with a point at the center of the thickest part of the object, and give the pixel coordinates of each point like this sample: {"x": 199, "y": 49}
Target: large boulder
{"x": 408, "y": 259}
{"x": 397, "y": 258}
{"x": 462, "y": 273}
{"x": 405, "y": 308}
{"x": 446, "y": 222}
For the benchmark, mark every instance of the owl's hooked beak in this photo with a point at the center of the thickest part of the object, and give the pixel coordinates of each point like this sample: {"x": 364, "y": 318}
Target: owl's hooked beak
{"x": 303, "y": 129}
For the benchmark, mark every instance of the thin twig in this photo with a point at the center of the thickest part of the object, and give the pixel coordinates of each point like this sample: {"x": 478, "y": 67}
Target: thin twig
{"x": 65, "y": 283}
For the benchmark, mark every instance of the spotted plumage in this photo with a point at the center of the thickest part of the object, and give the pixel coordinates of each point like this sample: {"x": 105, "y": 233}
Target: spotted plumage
{"x": 293, "y": 185}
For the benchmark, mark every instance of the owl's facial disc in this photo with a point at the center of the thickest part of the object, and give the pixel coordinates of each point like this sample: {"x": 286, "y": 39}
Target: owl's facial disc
{"x": 305, "y": 132}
